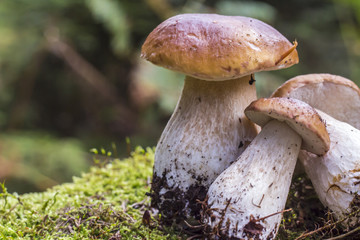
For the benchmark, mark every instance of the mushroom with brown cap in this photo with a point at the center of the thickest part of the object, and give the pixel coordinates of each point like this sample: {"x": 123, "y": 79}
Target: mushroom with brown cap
{"x": 208, "y": 129}
{"x": 335, "y": 175}
{"x": 247, "y": 199}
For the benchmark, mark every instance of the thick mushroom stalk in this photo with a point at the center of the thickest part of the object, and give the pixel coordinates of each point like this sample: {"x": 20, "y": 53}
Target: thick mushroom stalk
{"x": 208, "y": 130}
{"x": 247, "y": 199}
{"x": 336, "y": 175}
{"x": 205, "y": 134}
{"x": 242, "y": 200}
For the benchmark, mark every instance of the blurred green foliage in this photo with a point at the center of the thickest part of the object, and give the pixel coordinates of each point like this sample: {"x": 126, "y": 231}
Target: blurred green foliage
{"x": 35, "y": 161}
{"x": 256, "y": 9}
{"x": 111, "y": 14}
{"x": 71, "y": 68}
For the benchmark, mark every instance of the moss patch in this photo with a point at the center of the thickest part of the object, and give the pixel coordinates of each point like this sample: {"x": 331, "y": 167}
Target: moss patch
{"x": 109, "y": 202}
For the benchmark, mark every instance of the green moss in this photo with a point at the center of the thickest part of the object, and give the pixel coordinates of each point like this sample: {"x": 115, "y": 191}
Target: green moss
{"x": 107, "y": 203}
{"x": 110, "y": 202}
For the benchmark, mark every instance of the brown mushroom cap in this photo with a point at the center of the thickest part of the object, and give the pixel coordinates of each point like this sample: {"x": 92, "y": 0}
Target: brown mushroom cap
{"x": 215, "y": 47}
{"x": 300, "y": 116}
{"x": 332, "y": 94}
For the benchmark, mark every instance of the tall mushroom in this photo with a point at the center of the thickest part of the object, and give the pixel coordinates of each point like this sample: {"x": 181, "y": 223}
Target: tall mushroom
{"x": 208, "y": 129}
{"x": 246, "y": 200}
{"x": 336, "y": 175}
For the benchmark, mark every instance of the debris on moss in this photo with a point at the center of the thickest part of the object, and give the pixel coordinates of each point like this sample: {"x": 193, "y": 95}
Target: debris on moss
{"x": 309, "y": 219}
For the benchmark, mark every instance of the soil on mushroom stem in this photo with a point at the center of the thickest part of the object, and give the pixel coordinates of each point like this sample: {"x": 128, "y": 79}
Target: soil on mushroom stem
{"x": 176, "y": 202}
{"x": 252, "y": 230}
{"x": 308, "y": 215}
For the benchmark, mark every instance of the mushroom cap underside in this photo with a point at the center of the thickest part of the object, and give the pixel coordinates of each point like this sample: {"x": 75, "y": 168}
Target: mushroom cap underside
{"x": 216, "y": 47}
{"x": 300, "y": 116}
{"x": 332, "y": 94}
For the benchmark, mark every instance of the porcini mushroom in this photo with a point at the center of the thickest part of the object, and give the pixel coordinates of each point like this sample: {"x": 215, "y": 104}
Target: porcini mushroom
{"x": 208, "y": 129}
{"x": 335, "y": 175}
{"x": 246, "y": 200}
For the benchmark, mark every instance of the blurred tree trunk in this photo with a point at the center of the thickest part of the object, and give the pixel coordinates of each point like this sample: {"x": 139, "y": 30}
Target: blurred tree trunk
{"x": 26, "y": 82}
{"x": 91, "y": 78}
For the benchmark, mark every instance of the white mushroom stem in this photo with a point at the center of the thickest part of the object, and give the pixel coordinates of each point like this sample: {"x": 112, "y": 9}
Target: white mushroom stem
{"x": 336, "y": 175}
{"x": 255, "y": 186}
{"x": 206, "y": 133}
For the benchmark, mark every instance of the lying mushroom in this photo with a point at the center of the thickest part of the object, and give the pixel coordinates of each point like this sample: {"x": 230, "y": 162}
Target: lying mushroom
{"x": 336, "y": 175}
{"x": 335, "y": 95}
{"x": 208, "y": 129}
{"x": 246, "y": 200}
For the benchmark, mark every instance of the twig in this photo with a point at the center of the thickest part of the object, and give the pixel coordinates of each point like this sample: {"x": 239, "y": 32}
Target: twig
{"x": 194, "y": 237}
{"x": 273, "y": 214}
{"x": 258, "y": 205}
{"x": 194, "y": 227}
{"x": 327, "y": 226}
{"x": 345, "y": 234}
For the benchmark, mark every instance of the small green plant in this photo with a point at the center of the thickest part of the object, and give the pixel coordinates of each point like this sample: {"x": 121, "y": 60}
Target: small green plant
{"x": 101, "y": 156}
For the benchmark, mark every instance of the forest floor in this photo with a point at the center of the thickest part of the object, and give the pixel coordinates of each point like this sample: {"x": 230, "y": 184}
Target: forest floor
{"x": 110, "y": 202}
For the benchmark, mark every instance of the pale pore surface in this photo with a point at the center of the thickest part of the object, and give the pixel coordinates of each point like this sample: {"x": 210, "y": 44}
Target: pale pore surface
{"x": 336, "y": 175}
{"x": 207, "y": 131}
{"x": 258, "y": 182}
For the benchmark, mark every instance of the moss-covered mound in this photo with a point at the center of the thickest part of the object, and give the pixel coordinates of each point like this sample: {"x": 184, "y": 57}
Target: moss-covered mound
{"x": 109, "y": 202}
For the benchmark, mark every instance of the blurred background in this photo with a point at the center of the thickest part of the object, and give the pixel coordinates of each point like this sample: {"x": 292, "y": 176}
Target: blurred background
{"x": 71, "y": 78}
